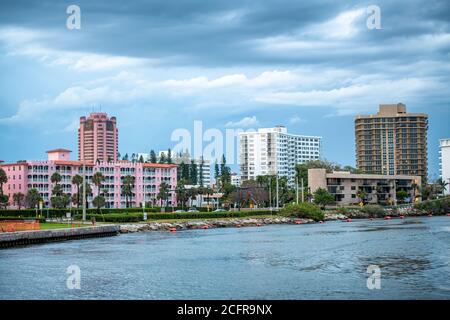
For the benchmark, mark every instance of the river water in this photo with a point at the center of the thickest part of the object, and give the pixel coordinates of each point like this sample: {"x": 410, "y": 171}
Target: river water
{"x": 315, "y": 261}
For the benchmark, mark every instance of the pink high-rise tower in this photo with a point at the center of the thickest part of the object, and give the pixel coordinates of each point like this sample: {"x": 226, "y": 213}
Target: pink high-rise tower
{"x": 98, "y": 138}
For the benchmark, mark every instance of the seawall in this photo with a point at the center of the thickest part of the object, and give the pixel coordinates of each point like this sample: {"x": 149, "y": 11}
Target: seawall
{"x": 10, "y": 239}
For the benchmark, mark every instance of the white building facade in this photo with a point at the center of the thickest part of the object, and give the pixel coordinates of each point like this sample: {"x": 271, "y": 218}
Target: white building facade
{"x": 235, "y": 179}
{"x": 444, "y": 161}
{"x": 270, "y": 151}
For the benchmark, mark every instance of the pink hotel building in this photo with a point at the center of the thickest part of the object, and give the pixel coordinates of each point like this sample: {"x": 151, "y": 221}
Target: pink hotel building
{"x": 24, "y": 175}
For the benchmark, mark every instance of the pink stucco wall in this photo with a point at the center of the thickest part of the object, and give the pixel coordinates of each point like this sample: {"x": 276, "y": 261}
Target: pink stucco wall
{"x": 36, "y": 174}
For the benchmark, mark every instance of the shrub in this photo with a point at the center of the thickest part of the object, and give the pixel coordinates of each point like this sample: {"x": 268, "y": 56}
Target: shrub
{"x": 303, "y": 210}
{"x": 436, "y": 207}
{"x": 373, "y": 210}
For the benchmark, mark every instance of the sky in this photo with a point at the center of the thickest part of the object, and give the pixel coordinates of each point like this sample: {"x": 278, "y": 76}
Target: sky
{"x": 158, "y": 66}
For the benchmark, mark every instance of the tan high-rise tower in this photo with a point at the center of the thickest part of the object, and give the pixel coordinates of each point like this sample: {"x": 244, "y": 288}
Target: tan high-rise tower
{"x": 392, "y": 142}
{"x": 98, "y": 138}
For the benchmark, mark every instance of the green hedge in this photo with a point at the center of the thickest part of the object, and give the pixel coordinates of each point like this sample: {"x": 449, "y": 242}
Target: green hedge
{"x": 303, "y": 210}
{"x": 57, "y": 213}
{"x": 436, "y": 207}
{"x": 135, "y": 217}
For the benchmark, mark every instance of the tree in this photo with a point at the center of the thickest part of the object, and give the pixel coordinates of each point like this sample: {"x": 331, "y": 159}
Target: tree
{"x": 141, "y": 159}
{"x": 250, "y": 192}
{"x": 3, "y": 180}
{"x": 61, "y": 201}
{"x": 401, "y": 195}
{"x": 361, "y": 194}
{"x": 201, "y": 165}
{"x": 442, "y": 185}
{"x": 55, "y": 178}
{"x": 191, "y": 193}
{"x": 181, "y": 193}
{"x": 77, "y": 180}
{"x": 32, "y": 198}
{"x": 184, "y": 167}
{"x": 163, "y": 193}
{"x": 209, "y": 192}
{"x": 4, "y": 200}
{"x": 216, "y": 172}
{"x": 225, "y": 171}
{"x": 88, "y": 193}
{"x": 98, "y": 179}
{"x": 153, "y": 158}
{"x": 127, "y": 188}
{"x": 58, "y": 199}
{"x": 18, "y": 199}
{"x": 99, "y": 201}
{"x": 125, "y": 157}
{"x": 162, "y": 158}
{"x": 193, "y": 173}
{"x": 169, "y": 156}
{"x": 323, "y": 198}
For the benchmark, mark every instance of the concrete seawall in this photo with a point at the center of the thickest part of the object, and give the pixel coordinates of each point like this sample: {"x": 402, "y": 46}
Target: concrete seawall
{"x": 10, "y": 239}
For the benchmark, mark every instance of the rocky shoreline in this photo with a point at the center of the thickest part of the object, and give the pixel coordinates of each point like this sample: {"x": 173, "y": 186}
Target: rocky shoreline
{"x": 246, "y": 222}
{"x": 207, "y": 224}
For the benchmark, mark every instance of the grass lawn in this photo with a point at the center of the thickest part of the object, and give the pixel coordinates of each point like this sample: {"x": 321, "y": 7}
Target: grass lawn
{"x": 51, "y": 225}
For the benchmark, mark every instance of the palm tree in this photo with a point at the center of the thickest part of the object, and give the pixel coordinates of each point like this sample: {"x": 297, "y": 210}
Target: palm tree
{"x": 32, "y": 198}
{"x": 18, "y": 199}
{"x": 181, "y": 194}
{"x": 3, "y": 180}
{"x": 127, "y": 188}
{"x": 98, "y": 179}
{"x": 88, "y": 192}
{"x": 442, "y": 185}
{"x": 192, "y": 192}
{"x": 77, "y": 180}
{"x": 163, "y": 193}
{"x": 209, "y": 192}
{"x": 55, "y": 178}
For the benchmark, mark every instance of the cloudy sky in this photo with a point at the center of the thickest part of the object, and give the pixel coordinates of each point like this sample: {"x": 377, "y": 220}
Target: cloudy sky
{"x": 161, "y": 65}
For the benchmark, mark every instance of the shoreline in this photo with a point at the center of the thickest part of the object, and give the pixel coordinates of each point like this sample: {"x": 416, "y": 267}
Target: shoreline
{"x": 244, "y": 222}
{"x": 210, "y": 224}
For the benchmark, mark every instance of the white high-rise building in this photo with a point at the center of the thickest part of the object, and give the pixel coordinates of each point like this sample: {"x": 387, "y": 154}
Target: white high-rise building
{"x": 444, "y": 161}
{"x": 270, "y": 151}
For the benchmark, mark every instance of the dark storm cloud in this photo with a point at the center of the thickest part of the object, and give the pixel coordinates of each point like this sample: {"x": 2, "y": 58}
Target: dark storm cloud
{"x": 223, "y": 33}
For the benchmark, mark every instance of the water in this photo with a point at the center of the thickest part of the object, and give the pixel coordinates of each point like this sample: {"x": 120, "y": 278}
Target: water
{"x": 320, "y": 261}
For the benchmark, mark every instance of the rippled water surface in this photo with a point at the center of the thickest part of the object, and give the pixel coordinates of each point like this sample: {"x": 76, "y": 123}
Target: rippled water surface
{"x": 319, "y": 261}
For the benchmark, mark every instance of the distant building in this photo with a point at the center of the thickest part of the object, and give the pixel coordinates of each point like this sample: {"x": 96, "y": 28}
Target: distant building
{"x": 25, "y": 175}
{"x": 235, "y": 179}
{"x": 98, "y": 138}
{"x": 392, "y": 142}
{"x": 379, "y": 189}
{"x": 203, "y": 166}
{"x": 444, "y": 162}
{"x": 271, "y": 151}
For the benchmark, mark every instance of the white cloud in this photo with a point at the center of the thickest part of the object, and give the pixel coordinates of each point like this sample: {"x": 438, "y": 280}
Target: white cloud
{"x": 340, "y": 27}
{"x": 243, "y": 123}
{"x": 296, "y": 119}
{"x": 26, "y": 42}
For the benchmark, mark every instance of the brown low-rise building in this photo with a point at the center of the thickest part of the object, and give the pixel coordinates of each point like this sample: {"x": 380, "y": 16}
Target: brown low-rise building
{"x": 378, "y": 188}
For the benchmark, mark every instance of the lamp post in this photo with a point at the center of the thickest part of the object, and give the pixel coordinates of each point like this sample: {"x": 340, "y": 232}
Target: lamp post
{"x": 84, "y": 190}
